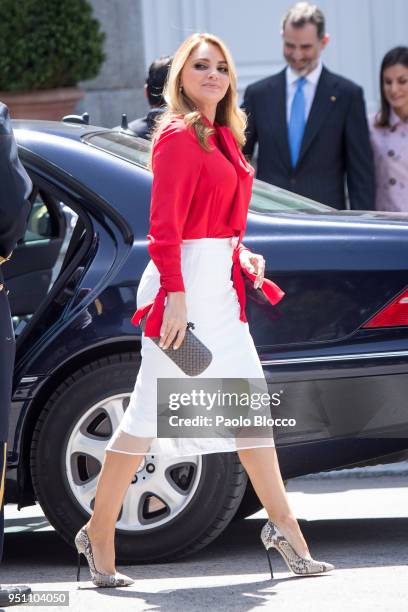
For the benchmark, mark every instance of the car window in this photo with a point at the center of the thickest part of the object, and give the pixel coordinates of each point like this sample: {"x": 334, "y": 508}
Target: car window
{"x": 266, "y": 199}
{"x": 41, "y": 222}
{"x": 40, "y": 256}
{"x": 120, "y": 144}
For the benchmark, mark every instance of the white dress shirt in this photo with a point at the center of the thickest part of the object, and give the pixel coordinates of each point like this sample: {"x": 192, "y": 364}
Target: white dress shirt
{"x": 309, "y": 88}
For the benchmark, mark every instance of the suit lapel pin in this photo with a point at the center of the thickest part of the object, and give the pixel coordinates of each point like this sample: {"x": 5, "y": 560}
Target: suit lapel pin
{"x": 333, "y": 98}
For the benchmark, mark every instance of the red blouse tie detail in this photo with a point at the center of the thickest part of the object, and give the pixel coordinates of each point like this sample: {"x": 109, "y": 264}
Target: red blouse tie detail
{"x": 237, "y": 218}
{"x": 155, "y": 317}
{"x": 155, "y": 308}
{"x": 271, "y": 291}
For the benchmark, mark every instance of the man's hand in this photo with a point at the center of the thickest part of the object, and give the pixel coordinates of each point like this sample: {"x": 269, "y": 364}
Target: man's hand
{"x": 255, "y": 264}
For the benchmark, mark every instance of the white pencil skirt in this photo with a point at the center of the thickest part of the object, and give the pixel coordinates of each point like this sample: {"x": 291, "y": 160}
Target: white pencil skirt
{"x": 213, "y": 307}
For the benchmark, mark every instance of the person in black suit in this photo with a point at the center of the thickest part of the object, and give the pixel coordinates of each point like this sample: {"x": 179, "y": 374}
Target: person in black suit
{"x": 310, "y": 124}
{"x": 15, "y": 189}
{"x": 153, "y": 89}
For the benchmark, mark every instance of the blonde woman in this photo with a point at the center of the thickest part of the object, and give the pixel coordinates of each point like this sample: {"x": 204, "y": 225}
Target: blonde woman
{"x": 199, "y": 204}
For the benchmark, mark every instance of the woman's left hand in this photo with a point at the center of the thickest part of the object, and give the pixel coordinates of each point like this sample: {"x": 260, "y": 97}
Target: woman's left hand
{"x": 255, "y": 264}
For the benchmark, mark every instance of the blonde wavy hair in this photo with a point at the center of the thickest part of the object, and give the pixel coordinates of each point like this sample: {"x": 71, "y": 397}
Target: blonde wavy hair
{"x": 228, "y": 113}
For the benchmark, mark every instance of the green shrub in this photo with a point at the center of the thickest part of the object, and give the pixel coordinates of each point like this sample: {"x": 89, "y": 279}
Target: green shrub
{"x": 48, "y": 43}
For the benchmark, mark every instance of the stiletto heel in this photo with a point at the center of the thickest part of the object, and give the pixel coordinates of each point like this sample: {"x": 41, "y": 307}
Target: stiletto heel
{"x": 272, "y": 538}
{"x": 269, "y": 561}
{"x": 83, "y": 546}
{"x": 79, "y": 567}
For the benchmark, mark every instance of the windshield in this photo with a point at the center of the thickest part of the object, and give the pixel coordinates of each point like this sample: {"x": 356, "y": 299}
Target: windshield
{"x": 266, "y": 199}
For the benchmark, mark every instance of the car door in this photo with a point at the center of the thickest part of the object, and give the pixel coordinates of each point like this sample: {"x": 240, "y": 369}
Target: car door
{"x": 28, "y": 274}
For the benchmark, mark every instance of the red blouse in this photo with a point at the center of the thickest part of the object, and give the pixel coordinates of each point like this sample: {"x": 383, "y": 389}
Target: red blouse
{"x": 196, "y": 194}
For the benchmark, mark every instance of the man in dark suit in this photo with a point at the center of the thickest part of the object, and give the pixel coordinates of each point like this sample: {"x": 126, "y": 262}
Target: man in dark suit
{"x": 310, "y": 124}
{"x": 153, "y": 90}
{"x": 15, "y": 189}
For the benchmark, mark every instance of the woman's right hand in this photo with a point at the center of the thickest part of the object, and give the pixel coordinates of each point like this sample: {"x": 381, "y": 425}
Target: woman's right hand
{"x": 174, "y": 323}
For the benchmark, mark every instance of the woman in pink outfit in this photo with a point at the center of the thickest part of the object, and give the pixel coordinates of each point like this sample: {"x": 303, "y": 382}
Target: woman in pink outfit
{"x": 389, "y": 133}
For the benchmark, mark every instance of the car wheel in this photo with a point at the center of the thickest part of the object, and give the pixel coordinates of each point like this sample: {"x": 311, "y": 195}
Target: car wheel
{"x": 173, "y": 507}
{"x": 249, "y": 505}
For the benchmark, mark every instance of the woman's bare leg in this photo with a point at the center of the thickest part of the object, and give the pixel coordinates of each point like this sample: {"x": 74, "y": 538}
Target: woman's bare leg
{"x": 262, "y": 467}
{"x": 117, "y": 473}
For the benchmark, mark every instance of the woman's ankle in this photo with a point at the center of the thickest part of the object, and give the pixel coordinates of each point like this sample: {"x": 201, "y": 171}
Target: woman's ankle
{"x": 287, "y": 521}
{"x": 99, "y": 534}
{"x": 289, "y": 528}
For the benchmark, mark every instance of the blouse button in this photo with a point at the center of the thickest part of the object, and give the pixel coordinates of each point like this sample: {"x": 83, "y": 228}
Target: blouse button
{"x": 392, "y": 181}
{"x": 391, "y": 153}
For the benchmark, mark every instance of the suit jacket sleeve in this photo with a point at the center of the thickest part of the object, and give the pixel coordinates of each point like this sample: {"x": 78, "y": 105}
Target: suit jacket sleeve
{"x": 359, "y": 156}
{"x": 250, "y": 133}
{"x": 15, "y": 188}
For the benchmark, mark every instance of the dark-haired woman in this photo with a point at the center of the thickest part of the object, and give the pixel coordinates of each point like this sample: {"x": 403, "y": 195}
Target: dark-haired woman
{"x": 389, "y": 133}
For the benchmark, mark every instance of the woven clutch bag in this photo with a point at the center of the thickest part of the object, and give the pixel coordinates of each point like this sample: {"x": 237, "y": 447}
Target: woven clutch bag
{"x": 192, "y": 357}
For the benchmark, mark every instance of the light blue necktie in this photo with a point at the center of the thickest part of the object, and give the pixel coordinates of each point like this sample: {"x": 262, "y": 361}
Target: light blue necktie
{"x": 297, "y": 121}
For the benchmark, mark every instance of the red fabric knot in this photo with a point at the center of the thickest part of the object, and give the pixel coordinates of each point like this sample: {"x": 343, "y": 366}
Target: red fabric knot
{"x": 154, "y": 320}
{"x": 271, "y": 291}
{"x": 155, "y": 308}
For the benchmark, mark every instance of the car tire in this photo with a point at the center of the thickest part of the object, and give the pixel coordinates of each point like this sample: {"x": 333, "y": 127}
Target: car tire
{"x": 218, "y": 488}
{"x": 249, "y": 505}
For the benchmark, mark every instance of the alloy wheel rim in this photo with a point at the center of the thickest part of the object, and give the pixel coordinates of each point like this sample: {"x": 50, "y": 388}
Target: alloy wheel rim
{"x": 162, "y": 487}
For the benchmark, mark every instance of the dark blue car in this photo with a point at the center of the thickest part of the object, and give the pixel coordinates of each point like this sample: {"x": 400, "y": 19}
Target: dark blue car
{"x": 335, "y": 348}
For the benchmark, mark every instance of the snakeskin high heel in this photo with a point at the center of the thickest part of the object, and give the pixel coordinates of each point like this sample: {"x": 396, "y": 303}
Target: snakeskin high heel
{"x": 272, "y": 538}
{"x": 83, "y": 546}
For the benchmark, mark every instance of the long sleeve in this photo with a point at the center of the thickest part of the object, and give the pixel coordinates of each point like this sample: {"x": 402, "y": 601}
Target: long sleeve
{"x": 15, "y": 188}
{"x": 359, "y": 156}
{"x": 176, "y": 163}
